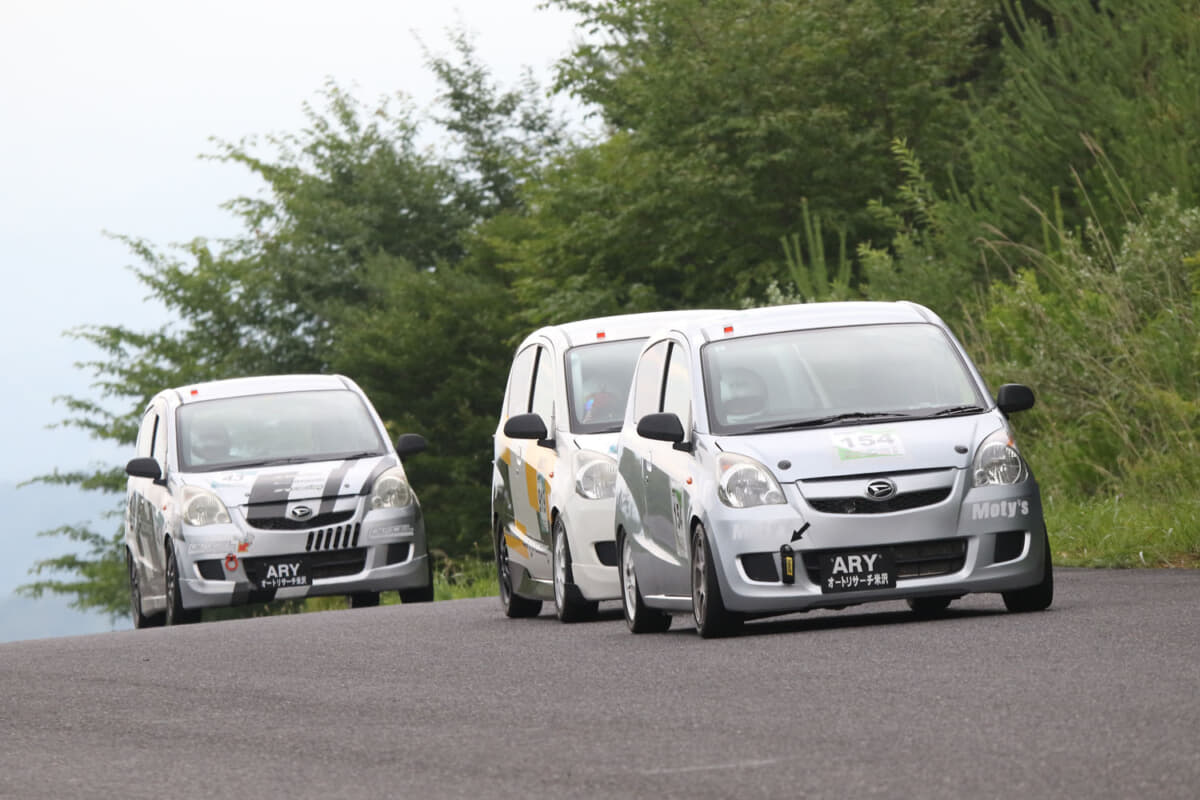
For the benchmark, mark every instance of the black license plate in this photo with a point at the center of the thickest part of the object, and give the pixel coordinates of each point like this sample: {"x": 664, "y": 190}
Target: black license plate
{"x": 283, "y": 572}
{"x": 857, "y": 570}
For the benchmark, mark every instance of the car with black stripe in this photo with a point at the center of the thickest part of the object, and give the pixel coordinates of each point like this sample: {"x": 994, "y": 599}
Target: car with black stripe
{"x": 267, "y": 488}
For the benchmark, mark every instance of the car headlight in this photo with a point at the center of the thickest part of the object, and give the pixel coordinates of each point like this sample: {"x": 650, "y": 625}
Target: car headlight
{"x": 743, "y": 483}
{"x": 998, "y": 462}
{"x": 202, "y": 507}
{"x": 391, "y": 490}
{"x": 595, "y": 476}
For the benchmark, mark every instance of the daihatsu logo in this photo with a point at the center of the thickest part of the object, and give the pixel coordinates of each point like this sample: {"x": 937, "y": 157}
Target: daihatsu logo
{"x": 301, "y": 512}
{"x": 880, "y": 489}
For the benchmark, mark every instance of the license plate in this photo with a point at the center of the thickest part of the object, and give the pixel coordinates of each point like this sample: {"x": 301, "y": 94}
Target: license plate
{"x": 856, "y": 570}
{"x": 283, "y": 573}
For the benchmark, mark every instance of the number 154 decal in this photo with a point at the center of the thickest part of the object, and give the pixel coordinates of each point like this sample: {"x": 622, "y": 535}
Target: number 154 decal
{"x": 867, "y": 444}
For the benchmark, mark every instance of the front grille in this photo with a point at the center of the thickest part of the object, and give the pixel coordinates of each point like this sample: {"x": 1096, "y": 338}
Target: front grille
{"x": 863, "y": 505}
{"x": 606, "y": 553}
{"x": 282, "y": 523}
{"x": 330, "y": 564}
{"x": 333, "y": 538}
{"x": 760, "y": 566}
{"x": 914, "y": 560}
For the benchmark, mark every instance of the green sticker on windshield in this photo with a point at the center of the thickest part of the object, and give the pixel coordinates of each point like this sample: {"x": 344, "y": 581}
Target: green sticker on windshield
{"x": 867, "y": 444}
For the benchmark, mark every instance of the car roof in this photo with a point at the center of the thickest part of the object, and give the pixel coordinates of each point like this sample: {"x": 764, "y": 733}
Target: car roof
{"x": 260, "y": 384}
{"x": 809, "y": 316}
{"x": 618, "y": 326}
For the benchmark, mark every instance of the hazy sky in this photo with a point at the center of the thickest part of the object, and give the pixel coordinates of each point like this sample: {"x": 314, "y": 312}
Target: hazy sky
{"x": 105, "y": 106}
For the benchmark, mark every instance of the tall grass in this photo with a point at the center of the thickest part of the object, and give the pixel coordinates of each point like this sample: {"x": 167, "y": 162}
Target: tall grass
{"x": 1105, "y": 328}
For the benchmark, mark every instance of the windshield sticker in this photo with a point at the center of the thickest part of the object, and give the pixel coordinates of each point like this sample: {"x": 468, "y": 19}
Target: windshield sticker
{"x": 867, "y": 444}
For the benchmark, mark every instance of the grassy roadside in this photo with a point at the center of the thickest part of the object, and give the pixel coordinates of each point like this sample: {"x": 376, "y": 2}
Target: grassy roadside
{"x": 1124, "y": 531}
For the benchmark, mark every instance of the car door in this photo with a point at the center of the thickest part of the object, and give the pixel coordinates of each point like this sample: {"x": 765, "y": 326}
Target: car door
{"x": 636, "y": 459}
{"x": 145, "y": 513}
{"x": 668, "y": 503}
{"x": 512, "y": 500}
{"x": 540, "y": 462}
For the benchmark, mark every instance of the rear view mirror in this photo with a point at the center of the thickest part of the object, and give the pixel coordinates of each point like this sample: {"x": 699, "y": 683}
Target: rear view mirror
{"x": 528, "y": 426}
{"x": 408, "y": 444}
{"x": 1014, "y": 397}
{"x": 144, "y": 468}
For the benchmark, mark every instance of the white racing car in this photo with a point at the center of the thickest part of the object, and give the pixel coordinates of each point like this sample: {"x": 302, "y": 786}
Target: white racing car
{"x": 552, "y": 483}
{"x": 266, "y": 488}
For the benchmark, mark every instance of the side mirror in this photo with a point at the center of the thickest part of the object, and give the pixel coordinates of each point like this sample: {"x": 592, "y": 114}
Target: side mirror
{"x": 409, "y": 444}
{"x": 1014, "y": 397}
{"x": 528, "y": 426}
{"x": 144, "y": 468}
{"x": 664, "y": 427}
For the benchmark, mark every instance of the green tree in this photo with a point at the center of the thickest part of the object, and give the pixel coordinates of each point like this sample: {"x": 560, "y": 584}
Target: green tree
{"x": 725, "y": 119}
{"x": 361, "y": 232}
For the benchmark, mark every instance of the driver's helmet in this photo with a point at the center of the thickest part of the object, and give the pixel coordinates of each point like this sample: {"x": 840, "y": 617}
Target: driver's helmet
{"x": 600, "y": 404}
{"x": 210, "y": 441}
{"x": 743, "y": 394}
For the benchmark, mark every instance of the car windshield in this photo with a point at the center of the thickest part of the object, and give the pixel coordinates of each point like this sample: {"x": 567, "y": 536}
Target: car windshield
{"x": 598, "y": 379}
{"x": 835, "y": 376}
{"x": 267, "y": 429}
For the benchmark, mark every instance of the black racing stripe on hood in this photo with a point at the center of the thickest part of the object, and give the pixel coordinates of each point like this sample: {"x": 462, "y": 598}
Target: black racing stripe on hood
{"x": 332, "y": 484}
{"x": 267, "y": 492}
{"x": 369, "y": 483}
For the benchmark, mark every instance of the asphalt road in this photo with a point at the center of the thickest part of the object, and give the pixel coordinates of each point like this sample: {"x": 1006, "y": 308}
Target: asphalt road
{"x": 1099, "y": 697}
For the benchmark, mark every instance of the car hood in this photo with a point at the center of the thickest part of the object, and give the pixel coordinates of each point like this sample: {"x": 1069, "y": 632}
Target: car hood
{"x": 598, "y": 442}
{"x": 887, "y": 446}
{"x": 292, "y": 482}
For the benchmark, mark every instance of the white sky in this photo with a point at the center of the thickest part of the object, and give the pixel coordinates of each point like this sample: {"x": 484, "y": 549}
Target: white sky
{"x": 105, "y": 106}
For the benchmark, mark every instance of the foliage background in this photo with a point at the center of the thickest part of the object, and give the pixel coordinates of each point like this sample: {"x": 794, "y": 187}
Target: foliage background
{"x": 1026, "y": 169}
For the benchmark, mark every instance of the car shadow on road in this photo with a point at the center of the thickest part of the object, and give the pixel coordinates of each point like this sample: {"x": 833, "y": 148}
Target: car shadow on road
{"x": 817, "y": 621}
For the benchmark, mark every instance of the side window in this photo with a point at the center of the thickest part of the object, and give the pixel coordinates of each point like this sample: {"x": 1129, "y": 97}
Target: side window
{"x": 158, "y": 447}
{"x": 677, "y": 395}
{"x": 145, "y": 439}
{"x": 519, "y": 380}
{"x": 543, "y": 387}
{"x": 647, "y": 384}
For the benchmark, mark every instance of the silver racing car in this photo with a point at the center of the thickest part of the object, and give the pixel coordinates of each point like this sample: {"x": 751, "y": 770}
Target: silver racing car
{"x": 265, "y": 488}
{"x": 820, "y": 456}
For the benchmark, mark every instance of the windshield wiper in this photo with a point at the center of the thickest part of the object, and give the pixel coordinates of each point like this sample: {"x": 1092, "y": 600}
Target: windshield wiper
{"x": 353, "y": 456}
{"x": 821, "y": 421}
{"x": 269, "y": 462}
{"x": 954, "y": 411}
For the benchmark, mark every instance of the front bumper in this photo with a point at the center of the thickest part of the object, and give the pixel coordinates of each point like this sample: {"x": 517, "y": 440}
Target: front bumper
{"x": 988, "y": 539}
{"x": 232, "y": 564}
{"x": 589, "y": 525}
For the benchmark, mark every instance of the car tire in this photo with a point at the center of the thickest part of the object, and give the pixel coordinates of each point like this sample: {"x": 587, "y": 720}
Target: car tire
{"x": 421, "y": 594}
{"x": 929, "y": 607}
{"x": 638, "y": 616}
{"x": 567, "y": 608}
{"x": 176, "y": 613}
{"x": 712, "y": 619}
{"x": 515, "y": 606}
{"x": 1037, "y": 597}
{"x": 363, "y": 599}
{"x": 140, "y": 620}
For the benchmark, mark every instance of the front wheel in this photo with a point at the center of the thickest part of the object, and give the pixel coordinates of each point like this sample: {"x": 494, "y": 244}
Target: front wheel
{"x": 421, "y": 594}
{"x": 514, "y": 605}
{"x": 176, "y": 613}
{"x": 569, "y": 605}
{"x": 1037, "y": 597}
{"x": 708, "y": 609}
{"x": 638, "y": 616}
{"x": 929, "y": 607}
{"x": 364, "y": 599}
